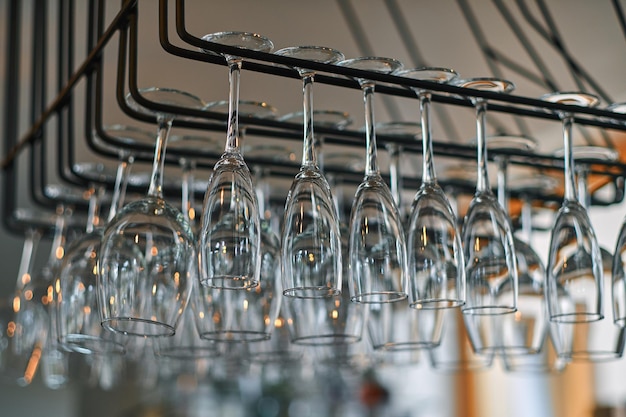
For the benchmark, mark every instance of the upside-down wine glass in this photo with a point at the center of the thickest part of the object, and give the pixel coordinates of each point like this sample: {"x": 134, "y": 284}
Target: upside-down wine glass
{"x": 310, "y": 238}
{"x": 436, "y": 264}
{"x": 522, "y": 333}
{"x": 397, "y": 332}
{"x": 618, "y": 286}
{"x": 574, "y": 261}
{"x": 333, "y": 326}
{"x": 78, "y": 315}
{"x": 491, "y": 269}
{"x": 599, "y": 340}
{"x": 532, "y": 273}
{"x": 378, "y": 260}
{"x": 147, "y": 253}
{"x": 230, "y": 239}
{"x": 246, "y": 315}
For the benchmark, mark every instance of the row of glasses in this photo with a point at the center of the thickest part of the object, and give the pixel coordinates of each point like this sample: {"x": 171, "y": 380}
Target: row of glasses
{"x": 311, "y": 259}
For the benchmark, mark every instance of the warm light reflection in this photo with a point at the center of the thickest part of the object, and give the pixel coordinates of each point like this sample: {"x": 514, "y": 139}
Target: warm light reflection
{"x": 16, "y": 304}
{"x": 477, "y": 245}
{"x": 154, "y": 251}
{"x": 177, "y": 278}
{"x": 154, "y": 289}
{"x": 112, "y": 300}
{"x": 33, "y": 364}
{"x": 87, "y": 310}
{"x": 245, "y": 305}
{"x": 279, "y": 322}
{"x": 25, "y": 278}
{"x": 334, "y": 314}
{"x": 28, "y": 295}
{"x": 11, "y": 329}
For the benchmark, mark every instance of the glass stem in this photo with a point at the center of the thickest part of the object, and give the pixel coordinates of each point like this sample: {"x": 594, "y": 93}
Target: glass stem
{"x": 482, "y": 182}
{"x": 119, "y": 189}
{"x": 371, "y": 164}
{"x": 503, "y": 198}
{"x": 394, "y": 172}
{"x": 527, "y": 219}
{"x": 156, "y": 177}
{"x": 57, "y": 250}
{"x": 187, "y": 202}
{"x": 234, "y": 74}
{"x": 310, "y": 147}
{"x": 31, "y": 241}
{"x": 93, "y": 212}
{"x": 584, "y": 198}
{"x": 428, "y": 168}
{"x": 570, "y": 184}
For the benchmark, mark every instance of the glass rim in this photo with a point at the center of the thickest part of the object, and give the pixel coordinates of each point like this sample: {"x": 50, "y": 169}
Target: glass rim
{"x": 486, "y": 84}
{"x": 217, "y": 37}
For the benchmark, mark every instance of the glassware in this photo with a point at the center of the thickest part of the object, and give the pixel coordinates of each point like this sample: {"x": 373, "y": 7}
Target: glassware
{"x": 574, "y": 261}
{"x": 310, "y": 239}
{"x": 599, "y": 340}
{"x": 230, "y": 240}
{"x": 147, "y": 252}
{"x": 491, "y": 269}
{"x": 436, "y": 264}
{"x": 79, "y": 322}
{"x": 524, "y": 332}
{"x": 378, "y": 259}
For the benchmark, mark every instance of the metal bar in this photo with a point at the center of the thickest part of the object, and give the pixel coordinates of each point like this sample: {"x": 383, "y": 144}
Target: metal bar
{"x": 61, "y": 98}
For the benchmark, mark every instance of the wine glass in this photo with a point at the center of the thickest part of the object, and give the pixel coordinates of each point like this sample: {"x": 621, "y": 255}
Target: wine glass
{"x": 436, "y": 264}
{"x": 491, "y": 269}
{"x": 230, "y": 239}
{"x": 618, "y": 287}
{"x": 574, "y": 260}
{"x": 599, "y": 340}
{"x": 396, "y": 331}
{"x": 147, "y": 252}
{"x": 378, "y": 259}
{"x": 524, "y": 332}
{"x": 310, "y": 238}
{"x": 79, "y": 324}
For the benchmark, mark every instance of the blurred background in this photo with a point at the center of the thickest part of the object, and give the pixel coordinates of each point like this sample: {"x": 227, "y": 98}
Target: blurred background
{"x": 566, "y": 45}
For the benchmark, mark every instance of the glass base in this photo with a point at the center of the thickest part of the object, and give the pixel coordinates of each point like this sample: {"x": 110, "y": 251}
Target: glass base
{"x": 138, "y": 327}
{"x": 591, "y": 356}
{"x": 88, "y": 345}
{"x": 436, "y": 304}
{"x": 379, "y": 297}
{"x": 235, "y": 336}
{"x": 235, "y": 282}
{"x": 489, "y": 310}
{"x": 187, "y": 352}
{"x": 403, "y": 346}
{"x": 580, "y": 317}
{"x": 326, "y": 339}
{"x": 311, "y": 292}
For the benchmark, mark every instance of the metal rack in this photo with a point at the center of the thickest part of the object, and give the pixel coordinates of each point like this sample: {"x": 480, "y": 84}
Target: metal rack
{"x": 55, "y": 124}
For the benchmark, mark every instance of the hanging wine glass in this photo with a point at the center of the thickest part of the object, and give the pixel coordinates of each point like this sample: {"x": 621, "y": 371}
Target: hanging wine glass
{"x": 531, "y": 276}
{"x": 310, "y": 239}
{"x": 524, "y": 332}
{"x": 249, "y": 315}
{"x": 436, "y": 264}
{"x": 230, "y": 240}
{"x": 79, "y": 324}
{"x": 456, "y": 352}
{"x": 378, "y": 260}
{"x": 147, "y": 252}
{"x": 397, "y": 333}
{"x": 574, "y": 260}
{"x": 618, "y": 286}
{"x": 599, "y": 340}
{"x": 491, "y": 270}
